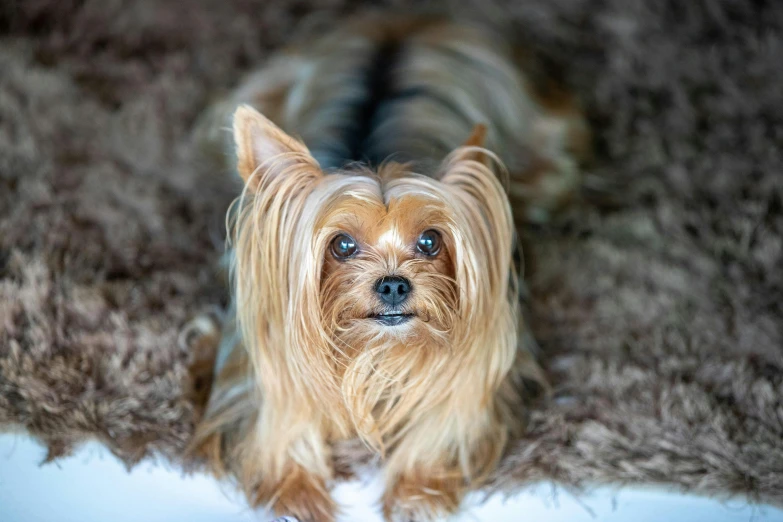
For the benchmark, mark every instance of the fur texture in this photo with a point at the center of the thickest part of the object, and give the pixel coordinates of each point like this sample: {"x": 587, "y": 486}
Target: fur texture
{"x": 659, "y": 316}
{"x": 437, "y": 394}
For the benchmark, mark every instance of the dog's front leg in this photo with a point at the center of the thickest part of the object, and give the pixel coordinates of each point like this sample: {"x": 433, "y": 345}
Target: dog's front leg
{"x": 438, "y": 461}
{"x": 295, "y": 480}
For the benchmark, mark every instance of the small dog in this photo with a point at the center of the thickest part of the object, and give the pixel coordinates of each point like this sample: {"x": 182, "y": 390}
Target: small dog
{"x": 375, "y": 295}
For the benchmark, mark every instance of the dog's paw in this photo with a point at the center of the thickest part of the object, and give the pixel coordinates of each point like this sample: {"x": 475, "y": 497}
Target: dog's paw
{"x": 549, "y": 186}
{"x": 420, "y": 499}
{"x": 200, "y": 338}
{"x": 302, "y": 496}
{"x": 202, "y": 333}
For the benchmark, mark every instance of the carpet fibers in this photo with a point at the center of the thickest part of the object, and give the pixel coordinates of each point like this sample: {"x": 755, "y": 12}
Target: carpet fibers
{"x": 659, "y": 313}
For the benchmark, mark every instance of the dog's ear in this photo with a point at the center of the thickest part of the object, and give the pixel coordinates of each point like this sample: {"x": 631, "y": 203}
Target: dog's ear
{"x": 262, "y": 147}
{"x": 471, "y": 157}
{"x": 477, "y": 137}
{"x": 471, "y": 174}
{"x": 473, "y": 148}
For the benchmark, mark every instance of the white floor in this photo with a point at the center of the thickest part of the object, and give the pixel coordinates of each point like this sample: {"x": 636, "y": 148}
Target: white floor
{"x": 93, "y": 486}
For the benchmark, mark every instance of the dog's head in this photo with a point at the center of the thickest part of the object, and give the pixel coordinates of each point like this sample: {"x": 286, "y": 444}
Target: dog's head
{"x": 363, "y": 279}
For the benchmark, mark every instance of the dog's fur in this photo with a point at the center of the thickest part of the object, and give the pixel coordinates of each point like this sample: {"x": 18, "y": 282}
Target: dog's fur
{"x": 304, "y": 361}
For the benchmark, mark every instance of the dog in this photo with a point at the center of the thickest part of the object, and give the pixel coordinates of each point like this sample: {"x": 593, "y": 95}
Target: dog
{"x": 385, "y": 166}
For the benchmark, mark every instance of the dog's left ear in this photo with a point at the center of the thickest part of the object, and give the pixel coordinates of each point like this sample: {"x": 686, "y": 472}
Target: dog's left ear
{"x": 473, "y": 148}
{"x": 482, "y": 206}
{"x": 263, "y": 149}
{"x": 477, "y": 137}
{"x": 472, "y": 151}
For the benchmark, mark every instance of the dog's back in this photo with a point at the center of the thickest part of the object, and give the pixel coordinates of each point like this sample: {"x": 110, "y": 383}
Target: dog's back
{"x": 411, "y": 88}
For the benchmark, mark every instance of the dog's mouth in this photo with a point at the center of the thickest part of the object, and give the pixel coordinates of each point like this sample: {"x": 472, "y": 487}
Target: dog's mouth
{"x": 392, "y": 318}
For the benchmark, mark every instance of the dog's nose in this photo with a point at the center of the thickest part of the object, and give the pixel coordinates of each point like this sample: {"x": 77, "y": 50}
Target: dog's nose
{"x": 393, "y": 290}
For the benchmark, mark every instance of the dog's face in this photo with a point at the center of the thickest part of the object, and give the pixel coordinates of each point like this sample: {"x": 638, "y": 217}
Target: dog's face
{"x": 388, "y": 266}
{"x": 372, "y": 285}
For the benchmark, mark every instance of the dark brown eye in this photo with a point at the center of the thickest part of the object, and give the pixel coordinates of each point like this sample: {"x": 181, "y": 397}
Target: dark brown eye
{"x": 343, "y": 246}
{"x": 428, "y": 242}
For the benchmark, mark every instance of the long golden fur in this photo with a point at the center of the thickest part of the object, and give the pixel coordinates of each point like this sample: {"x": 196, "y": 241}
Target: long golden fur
{"x": 305, "y": 359}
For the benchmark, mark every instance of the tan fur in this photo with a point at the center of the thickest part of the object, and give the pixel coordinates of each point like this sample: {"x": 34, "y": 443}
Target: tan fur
{"x": 305, "y": 366}
{"x": 661, "y": 317}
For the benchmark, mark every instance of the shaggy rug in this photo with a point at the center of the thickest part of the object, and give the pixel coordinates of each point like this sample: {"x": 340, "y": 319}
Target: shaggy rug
{"x": 660, "y": 314}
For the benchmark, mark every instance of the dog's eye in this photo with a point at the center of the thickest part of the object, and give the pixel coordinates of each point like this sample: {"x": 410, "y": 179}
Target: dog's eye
{"x": 343, "y": 246}
{"x": 428, "y": 242}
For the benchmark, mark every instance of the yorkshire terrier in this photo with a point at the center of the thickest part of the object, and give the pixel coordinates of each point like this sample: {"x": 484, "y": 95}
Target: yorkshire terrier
{"x": 375, "y": 294}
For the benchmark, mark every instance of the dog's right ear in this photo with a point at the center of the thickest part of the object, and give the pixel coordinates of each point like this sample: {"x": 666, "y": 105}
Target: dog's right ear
{"x": 263, "y": 149}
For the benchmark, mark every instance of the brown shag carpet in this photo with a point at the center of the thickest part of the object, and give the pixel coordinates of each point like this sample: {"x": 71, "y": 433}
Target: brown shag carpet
{"x": 661, "y": 318}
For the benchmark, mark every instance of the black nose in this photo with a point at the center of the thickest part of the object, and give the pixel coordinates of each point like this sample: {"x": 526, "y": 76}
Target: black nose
{"x": 393, "y": 290}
